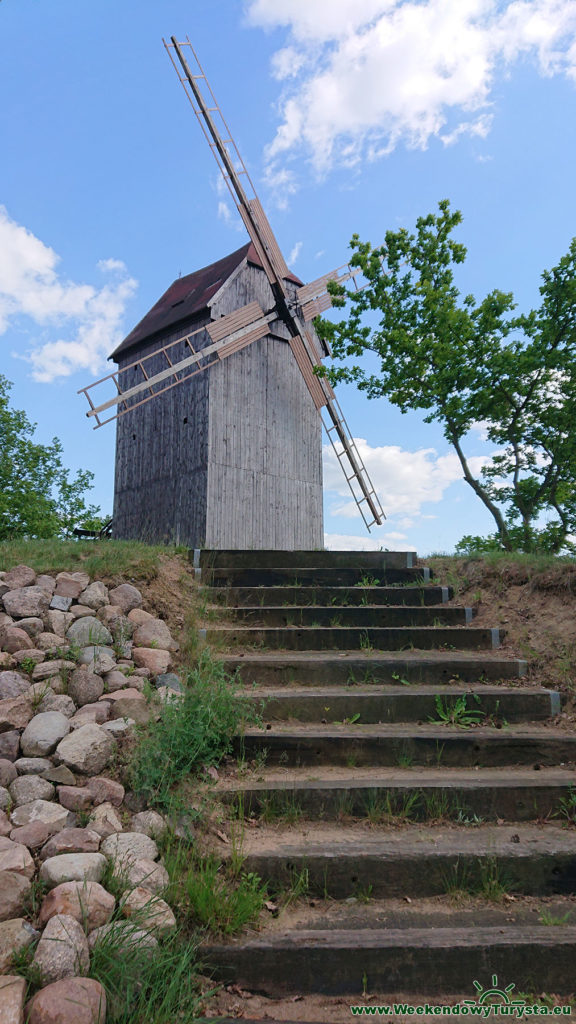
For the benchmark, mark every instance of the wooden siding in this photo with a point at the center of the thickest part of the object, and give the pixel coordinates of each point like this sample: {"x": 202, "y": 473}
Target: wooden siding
{"x": 230, "y": 458}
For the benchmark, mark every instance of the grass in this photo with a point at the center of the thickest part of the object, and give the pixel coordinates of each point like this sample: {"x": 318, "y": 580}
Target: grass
{"x": 104, "y": 558}
{"x": 191, "y": 733}
{"x": 457, "y": 712}
{"x": 567, "y": 807}
{"x": 487, "y": 881}
{"x": 551, "y": 921}
{"x": 218, "y": 898}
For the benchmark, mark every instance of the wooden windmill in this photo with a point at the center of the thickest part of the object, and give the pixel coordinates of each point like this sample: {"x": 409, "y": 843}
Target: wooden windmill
{"x": 221, "y": 452}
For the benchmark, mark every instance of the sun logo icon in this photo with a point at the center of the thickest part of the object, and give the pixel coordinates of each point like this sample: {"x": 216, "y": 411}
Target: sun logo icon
{"x": 494, "y": 994}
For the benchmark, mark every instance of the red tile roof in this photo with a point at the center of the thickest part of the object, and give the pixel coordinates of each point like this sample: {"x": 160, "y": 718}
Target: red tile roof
{"x": 188, "y": 296}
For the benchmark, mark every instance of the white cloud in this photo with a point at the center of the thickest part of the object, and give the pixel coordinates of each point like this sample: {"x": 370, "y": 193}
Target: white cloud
{"x": 31, "y": 290}
{"x": 362, "y": 76}
{"x": 347, "y": 542}
{"x": 294, "y": 253}
{"x": 404, "y": 480}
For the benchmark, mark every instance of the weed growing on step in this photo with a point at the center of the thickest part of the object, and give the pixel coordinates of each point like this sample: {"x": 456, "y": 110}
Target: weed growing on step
{"x": 280, "y": 806}
{"x": 400, "y": 679}
{"x": 487, "y": 881}
{"x": 456, "y": 711}
{"x": 390, "y": 807}
{"x": 363, "y": 893}
{"x": 567, "y": 807}
{"x": 218, "y": 899}
{"x": 191, "y": 733}
{"x": 299, "y": 887}
{"x": 551, "y": 921}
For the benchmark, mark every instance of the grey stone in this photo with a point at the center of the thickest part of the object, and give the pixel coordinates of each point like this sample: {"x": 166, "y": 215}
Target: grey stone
{"x": 27, "y": 788}
{"x": 5, "y": 799}
{"x": 50, "y": 642}
{"x": 63, "y": 950}
{"x": 150, "y": 823}
{"x": 115, "y": 680}
{"x": 144, "y": 872}
{"x": 14, "y": 889}
{"x": 26, "y": 602}
{"x": 89, "y": 631}
{"x": 155, "y": 633}
{"x": 120, "y": 727}
{"x": 32, "y": 765}
{"x": 61, "y": 775}
{"x": 12, "y": 684}
{"x": 8, "y": 772}
{"x": 95, "y": 595}
{"x": 129, "y": 846}
{"x": 105, "y": 820}
{"x": 126, "y": 597}
{"x": 73, "y": 867}
{"x": 58, "y": 702}
{"x": 32, "y": 626}
{"x": 60, "y": 603}
{"x": 43, "y": 734}
{"x": 171, "y": 680}
{"x": 84, "y": 686}
{"x": 10, "y": 744}
{"x": 100, "y": 659}
{"x": 15, "y": 935}
{"x": 152, "y": 913}
{"x": 47, "y": 669}
{"x": 87, "y": 750}
{"x": 52, "y": 814}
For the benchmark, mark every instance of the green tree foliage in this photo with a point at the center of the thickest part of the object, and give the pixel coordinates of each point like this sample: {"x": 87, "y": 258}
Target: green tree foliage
{"x": 463, "y": 362}
{"x": 38, "y": 498}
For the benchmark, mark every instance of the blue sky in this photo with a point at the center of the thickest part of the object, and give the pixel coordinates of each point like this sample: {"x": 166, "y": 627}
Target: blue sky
{"x": 352, "y": 116}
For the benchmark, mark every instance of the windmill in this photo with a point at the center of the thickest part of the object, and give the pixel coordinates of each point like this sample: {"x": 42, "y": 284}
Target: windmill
{"x": 232, "y": 460}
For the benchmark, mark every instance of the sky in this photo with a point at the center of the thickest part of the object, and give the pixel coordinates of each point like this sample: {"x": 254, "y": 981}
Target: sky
{"x": 353, "y": 116}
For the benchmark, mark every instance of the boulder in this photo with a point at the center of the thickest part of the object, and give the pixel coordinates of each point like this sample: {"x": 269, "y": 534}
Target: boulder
{"x": 60, "y": 603}
{"x": 115, "y": 680}
{"x": 84, "y": 686}
{"x": 59, "y": 702}
{"x": 104, "y": 790}
{"x": 126, "y": 597}
{"x": 170, "y": 680}
{"x": 32, "y": 765}
{"x": 124, "y": 847}
{"x": 100, "y": 659}
{"x": 155, "y": 633}
{"x": 95, "y": 595}
{"x": 144, "y": 872}
{"x": 72, "y": 583}
{"x": 138, "y": 616}
{"x": 73, "y": 867}
{"x": 137, "y": 710}
{"x": 8, "y": 772}
{"x": 89, "y": 631}
{"x": 5, "y": 825}
{"x": 150, "y": 823}
{"x": 80, "y": 610}
{"x": 13, "y": 639}
{"x": 47, "y": 583}
{"x": 50, "y": 642}
{"x": 26, "y": 602}
{"x": 15, "y": 712}
{"x": 87, "y": 750}
{"x": 15, "y": 857}
{"x": 33, "y": 835}
{"x": 12, "y": 999}
{"x": 15, "y": 935}
{"x": 32, "y": 626}
{"x": 74, "y": 798}
{"x": 120, "y": 727}
{"x": 10, "y": 745}
{"x": 148, "y": 911}
{"x": 59, "y": 622}
{"x": 5, "y": 799}
{"x": 44, "y": 733}
{"x": 20, "y": 576}
{"x": 154, "y": 659}
{"x": 47, "y": 669}
{"x": 71, "y": 840}
{"x": 12, "y": 684}
{"x": 26, "y": 788}
{"x": 71, "y": 1001}
{"x": 105, "y": 820}
{"x": 14, "y": 889}
{"x": 63, "y": 950}
{"x": 61, "y": 775}
{"x": 87, "y": 902}
{"x": 91, "y": 714}
{"x": 52, "y": 814}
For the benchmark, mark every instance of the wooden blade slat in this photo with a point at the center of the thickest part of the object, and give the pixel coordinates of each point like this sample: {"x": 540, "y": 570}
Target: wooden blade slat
{"x": 238, "y": 343}
{"x": 272, "y": 248}
{"x": 306, "y": 369}
{"x": 317, "y": 287}
{"x": 316, "y": 306}
{"x": 219, "y": 329}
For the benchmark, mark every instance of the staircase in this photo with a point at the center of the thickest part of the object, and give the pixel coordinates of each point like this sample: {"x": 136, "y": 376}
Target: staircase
{"x": 405, "y": 764}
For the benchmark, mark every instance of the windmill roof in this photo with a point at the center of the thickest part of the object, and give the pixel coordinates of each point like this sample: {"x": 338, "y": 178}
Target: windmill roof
{"x": 188, "y": 296}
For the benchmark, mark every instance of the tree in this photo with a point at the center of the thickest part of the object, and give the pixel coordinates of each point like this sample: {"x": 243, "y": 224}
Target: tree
{"x": 466, "y": 363}
{"x": 37, "y": 496}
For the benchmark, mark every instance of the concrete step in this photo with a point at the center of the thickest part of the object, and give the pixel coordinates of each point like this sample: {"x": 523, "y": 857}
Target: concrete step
{"x": 262, "y": 559}
{"x": 370, "y": 638}
{"x": 360, "y": 745}
{"x": 357, "y": 615}
{"x": 445, "y": 960}
{"x": 338, "y": 862}
{"x": 351, "y": 668}
{"x": 403, "y": 702}
{"x": 334, "y": 597}
{"x": 322, "y": 576}
{"x": 387, "y": 795}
